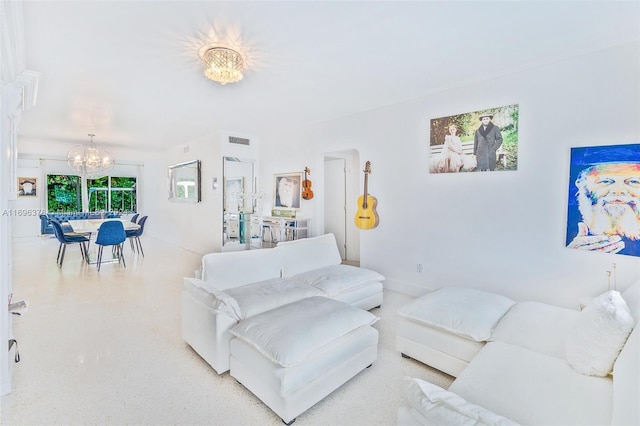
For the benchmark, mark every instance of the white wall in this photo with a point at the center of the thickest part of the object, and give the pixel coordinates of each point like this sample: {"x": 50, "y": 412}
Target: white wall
{"x": 193, "y": 226}
{"x": 500, "y": 231}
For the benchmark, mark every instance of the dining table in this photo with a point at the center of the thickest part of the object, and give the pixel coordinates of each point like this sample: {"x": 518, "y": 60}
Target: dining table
{"x": 91, "y": 226}
{"x": 84, "y": 226}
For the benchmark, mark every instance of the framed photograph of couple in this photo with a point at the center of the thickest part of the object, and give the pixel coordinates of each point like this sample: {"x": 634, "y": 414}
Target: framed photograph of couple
{"x": 287, "y": 190}
{"x": 27, "y": 187}
{"x": 477, "y": 141}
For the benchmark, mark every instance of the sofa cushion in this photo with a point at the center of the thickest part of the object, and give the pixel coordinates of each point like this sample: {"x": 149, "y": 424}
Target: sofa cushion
{"x": 210, "y": 296}
{"x": 440, "y": 407}
{"x": 466, "y": 312}
{"x": 598, "y": 334}
{"x": 533, "y": 388}
{"x": 233, "y": 269}
{"x": 626, "y": 383}
{"x": 536, "y": 326}
{"x": 256, "y": 298}
{"x": 287, "y": 335}
{"x": 336, "y": 279}
{"x": 307, "y": 254}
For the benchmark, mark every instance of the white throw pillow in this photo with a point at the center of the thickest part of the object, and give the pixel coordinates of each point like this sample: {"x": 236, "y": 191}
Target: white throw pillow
{"x": 463, "y": 311}
{"x": 441, "y": 407}
{"x": 598, "y": 335}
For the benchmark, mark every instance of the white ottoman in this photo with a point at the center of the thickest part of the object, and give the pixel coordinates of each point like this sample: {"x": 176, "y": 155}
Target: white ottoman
{"x": 447, "y": 327}
{"x": 294, "y": 356}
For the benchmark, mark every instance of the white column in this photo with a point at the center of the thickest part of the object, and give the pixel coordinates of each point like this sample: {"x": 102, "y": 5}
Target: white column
{"x": 18, "y": 92}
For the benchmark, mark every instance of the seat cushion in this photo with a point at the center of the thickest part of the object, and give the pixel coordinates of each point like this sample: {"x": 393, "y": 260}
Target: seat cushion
{"x": 536, "y": 326}
{"x": 287, "y": 335}
{"x": 256, "y": 298}
{"x": 337, "y": 279}
{"x": 533, "y": 388}
{"x": 437, "y": 406}
{"x": 287, "y": 380}
{"x": 462, "y": 311}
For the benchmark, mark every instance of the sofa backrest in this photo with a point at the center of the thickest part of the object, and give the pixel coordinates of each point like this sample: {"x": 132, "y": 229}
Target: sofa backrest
{"x": 307, "y": 254}
{"x": 626, "y": 370}
{"x": 626, "y": 383}
{"x": 237, "y": 268}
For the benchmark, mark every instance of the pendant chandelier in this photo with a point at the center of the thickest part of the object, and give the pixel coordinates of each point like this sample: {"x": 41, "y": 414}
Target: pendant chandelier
{"x": 223, "y": 65}
{"x": 89, "y": 160}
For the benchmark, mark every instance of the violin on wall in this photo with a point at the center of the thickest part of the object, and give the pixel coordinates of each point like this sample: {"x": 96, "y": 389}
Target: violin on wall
{"x": 307, "y": 193}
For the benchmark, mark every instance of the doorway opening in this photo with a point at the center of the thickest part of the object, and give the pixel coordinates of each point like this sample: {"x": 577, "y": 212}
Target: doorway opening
{"x": 341, "y": 179}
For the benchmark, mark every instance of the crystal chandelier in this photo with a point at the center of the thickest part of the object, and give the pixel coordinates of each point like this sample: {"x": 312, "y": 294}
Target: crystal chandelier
{"x": 90, "y": 160}
{"x": 223, "y": 65}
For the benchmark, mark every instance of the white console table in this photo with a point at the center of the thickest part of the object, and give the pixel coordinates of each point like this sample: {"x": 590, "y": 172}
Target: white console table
{"x": 267, "y": 231}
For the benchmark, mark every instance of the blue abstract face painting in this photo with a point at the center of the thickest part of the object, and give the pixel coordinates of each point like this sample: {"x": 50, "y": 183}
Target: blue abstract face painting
{"x": 604, "y": 199}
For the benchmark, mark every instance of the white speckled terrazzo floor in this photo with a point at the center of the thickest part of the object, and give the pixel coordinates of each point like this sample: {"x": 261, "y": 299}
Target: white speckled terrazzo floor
{"x": 105, "y": 348}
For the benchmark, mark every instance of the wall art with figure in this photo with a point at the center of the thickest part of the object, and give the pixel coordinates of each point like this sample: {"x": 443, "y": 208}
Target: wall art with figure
{"x": 476, "y": 141}
{"x": 27, "y": 187}
{"x": 604, "y": 199}
{"x": 287, "y": 190}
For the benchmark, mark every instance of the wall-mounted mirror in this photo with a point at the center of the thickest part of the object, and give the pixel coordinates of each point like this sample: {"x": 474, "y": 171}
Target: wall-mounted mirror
{"x": 184, "y": 182}
{"x": 238, "y": 189}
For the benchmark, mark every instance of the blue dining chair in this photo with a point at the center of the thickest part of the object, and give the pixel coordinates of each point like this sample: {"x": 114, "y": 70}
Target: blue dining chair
{"x": 135, "y": 217}
{"x": 111, "y": 233}
{"x": 65, "y": 239}
{"x": 135, "y": 234}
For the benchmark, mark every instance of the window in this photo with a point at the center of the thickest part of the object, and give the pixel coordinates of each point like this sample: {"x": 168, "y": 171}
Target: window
{"x": 63, "y": 193}
{"x": 123, "y": 194}
{"x": 112, "y": 194}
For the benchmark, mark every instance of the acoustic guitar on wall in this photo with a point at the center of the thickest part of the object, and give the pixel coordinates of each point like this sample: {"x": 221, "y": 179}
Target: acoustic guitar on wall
{"x": 366, "y": 216}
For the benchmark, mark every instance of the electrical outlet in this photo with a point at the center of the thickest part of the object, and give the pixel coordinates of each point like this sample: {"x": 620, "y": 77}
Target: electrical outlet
{"x": 419, "y": 267}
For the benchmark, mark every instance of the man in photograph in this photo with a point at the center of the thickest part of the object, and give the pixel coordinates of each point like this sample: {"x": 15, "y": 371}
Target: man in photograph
{"x": 486, "y": 142}
{"x": 287, "y": 192}
{"x": 608, "y": 202}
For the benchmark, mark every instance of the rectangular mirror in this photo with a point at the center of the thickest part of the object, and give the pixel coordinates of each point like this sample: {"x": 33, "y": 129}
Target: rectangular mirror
{"x": 238, "y": 191}
{"x": 184, "y": 182}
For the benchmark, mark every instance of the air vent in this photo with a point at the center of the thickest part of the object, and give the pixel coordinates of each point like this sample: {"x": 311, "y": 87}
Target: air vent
{"x": 239, "y": 141}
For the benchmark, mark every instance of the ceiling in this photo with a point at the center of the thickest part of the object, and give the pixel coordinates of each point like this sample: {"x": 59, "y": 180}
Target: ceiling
{"x": 130, "y": 72}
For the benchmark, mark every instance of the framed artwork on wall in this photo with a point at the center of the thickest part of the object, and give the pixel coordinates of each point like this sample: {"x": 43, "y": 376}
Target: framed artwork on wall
{"x": 287, "y": 190}
{"x": 27, "y": 187}
{"x": 475, "y": 141}
{"x": 604, "y": 199}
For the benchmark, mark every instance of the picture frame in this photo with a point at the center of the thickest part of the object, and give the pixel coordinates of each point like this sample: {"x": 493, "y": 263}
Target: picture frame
{"x": 467, "y": 143}
{"x": 233, "y": 190}
{"x": 603, "y": 194}
{"x": 287, "y": 190}
{"x": 27, "y": 187}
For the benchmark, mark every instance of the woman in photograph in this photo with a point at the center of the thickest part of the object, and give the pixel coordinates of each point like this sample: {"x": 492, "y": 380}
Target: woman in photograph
{"x": 451, "y": 158}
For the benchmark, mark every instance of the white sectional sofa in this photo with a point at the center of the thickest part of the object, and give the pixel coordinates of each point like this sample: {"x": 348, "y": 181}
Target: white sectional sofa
{"x": 238, "y": 285}
{"x": 527, "y": 363}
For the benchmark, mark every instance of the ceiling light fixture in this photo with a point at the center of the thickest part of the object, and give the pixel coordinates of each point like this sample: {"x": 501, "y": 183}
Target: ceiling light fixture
{"x": 223, "y": 65}
{"x": 89, "y": 160}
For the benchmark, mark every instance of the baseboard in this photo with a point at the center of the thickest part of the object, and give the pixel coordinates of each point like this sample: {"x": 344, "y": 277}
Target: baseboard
{"x": 410, "y": 289}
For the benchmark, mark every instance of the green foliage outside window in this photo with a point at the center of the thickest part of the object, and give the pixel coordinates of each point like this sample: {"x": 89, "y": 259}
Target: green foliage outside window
{"x": 119, "y": 196}
{"x": 63, "y": 193}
